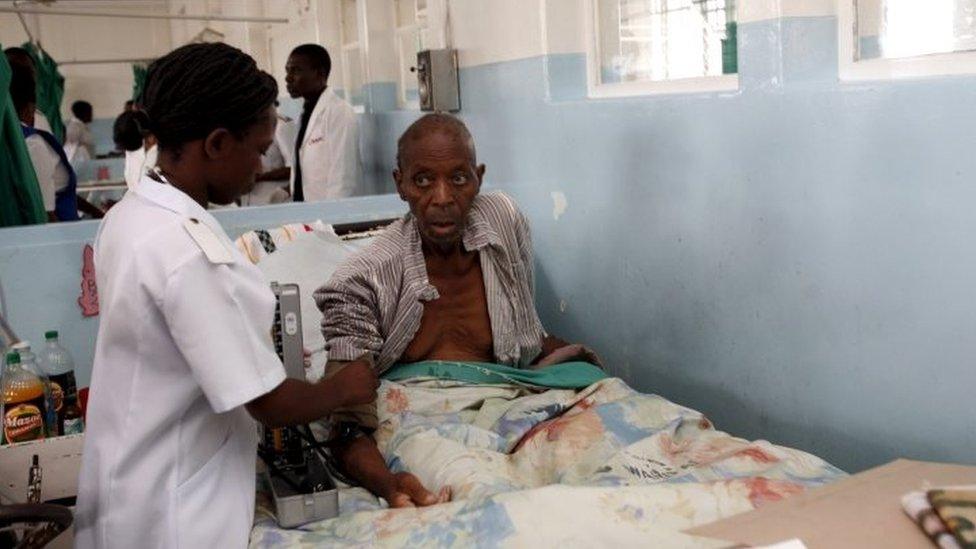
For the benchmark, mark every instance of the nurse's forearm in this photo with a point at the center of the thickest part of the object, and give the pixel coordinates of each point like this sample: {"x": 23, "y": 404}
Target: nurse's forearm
{"x": 295, "y": 402}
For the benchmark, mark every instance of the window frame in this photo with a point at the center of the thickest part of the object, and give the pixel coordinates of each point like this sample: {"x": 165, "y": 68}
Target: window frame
{"x": 851, "y": 69}
{"x": 359, "y": 44}
{"x": 398, "y": 32}
{"x": 601, "y": 90}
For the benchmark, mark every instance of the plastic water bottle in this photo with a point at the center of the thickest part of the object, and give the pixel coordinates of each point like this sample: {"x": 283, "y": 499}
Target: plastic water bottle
{"x": 28, "y": 361}
{"x": 60, "y": 368}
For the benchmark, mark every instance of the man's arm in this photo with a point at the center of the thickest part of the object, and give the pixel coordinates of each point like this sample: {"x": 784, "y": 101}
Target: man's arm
{"x": 351, "y": 328}
{"x": 360, "y": 458}
{"x": 277, "y": 174}
{"x": 557, "y": 351}
{"x": 87, "y": 207}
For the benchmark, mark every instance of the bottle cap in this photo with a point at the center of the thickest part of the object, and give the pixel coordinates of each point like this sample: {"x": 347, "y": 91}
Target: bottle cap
{"x": 51, "y": 334}
{"x": 13, "y": 357}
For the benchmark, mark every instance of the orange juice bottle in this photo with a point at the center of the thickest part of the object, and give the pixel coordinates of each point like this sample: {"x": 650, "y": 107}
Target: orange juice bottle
{"x": 23, "y": 403}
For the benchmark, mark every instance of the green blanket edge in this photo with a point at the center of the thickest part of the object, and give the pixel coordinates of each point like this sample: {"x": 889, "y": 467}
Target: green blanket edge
{"x": 568, "y": 375}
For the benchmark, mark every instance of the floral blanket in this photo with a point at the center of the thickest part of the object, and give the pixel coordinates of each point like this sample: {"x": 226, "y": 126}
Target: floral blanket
{"x": 605, "y": 466}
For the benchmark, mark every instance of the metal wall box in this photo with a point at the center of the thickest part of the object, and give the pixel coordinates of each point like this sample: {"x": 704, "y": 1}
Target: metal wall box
{"x": 437, "y": 80}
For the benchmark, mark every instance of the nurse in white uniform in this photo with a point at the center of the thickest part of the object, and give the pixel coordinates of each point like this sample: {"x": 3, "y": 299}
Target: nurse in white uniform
{"x": 183, "y": 361}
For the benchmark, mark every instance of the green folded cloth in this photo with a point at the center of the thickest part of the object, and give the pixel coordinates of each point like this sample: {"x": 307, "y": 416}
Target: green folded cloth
{"x": 569, "y": 375}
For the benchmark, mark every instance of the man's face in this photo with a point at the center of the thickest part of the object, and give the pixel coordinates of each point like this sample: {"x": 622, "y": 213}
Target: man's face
{"x": 237, "y": 161}
{"x": 439, "y": 179}
{"x": 302, "y": 78}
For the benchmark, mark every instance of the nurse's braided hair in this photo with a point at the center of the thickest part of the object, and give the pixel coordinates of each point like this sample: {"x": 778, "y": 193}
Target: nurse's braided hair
{"x": 198, "y": 88}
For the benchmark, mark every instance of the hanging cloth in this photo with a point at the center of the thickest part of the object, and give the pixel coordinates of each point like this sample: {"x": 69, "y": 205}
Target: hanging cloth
{"x": 20, "y": 195}
{"x": 139, "y": 72}
{"x": 50, "y": 88}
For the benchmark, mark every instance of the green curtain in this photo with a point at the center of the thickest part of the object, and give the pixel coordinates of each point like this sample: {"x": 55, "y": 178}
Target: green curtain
{"x": 139, "y": 72}
{"x": 50, "y": 89}
{"x": 20, "y": 195}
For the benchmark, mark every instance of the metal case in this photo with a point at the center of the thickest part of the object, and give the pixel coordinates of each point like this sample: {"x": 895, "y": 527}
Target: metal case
{"x": 437, "y": 80}
{"x": 301, "y": 486}
{"x": 293, "y": 508}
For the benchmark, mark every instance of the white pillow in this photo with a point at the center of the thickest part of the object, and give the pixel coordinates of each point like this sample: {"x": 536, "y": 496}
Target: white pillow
{"x": 309, "y": 261}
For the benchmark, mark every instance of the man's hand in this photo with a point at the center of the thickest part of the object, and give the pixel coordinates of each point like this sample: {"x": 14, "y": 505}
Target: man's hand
{"x": 362, "y": 461}
{"x": 354, "y": 384}
{"x": 407, "y": 491}
{"x": 569, "y": 353}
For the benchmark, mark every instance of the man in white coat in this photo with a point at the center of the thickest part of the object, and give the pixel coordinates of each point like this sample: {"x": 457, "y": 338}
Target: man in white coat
{"x": 326, "y": 163}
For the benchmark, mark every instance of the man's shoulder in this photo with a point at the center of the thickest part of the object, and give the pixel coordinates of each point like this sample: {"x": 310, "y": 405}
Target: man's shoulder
{"x": 500, "y": 211}
{"x": 498, "y": 203}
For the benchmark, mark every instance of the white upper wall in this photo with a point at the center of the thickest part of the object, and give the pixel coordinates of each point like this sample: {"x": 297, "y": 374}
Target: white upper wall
{"x": 496, "y": 30}
{"x": 483, "y": 31}
{"x": 564, "y": 25}
{"x": 70, "y": 38}
{"x": 490, "y": 31}
{"x": 760, "y": 10}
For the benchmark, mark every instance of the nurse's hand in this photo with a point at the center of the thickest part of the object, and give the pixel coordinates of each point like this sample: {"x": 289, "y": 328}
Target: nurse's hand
{"x": 354, "y": 384}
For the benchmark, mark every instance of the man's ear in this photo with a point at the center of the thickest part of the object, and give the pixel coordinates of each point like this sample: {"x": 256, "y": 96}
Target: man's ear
{"x": 480, "y": 170}
{"x": 218, "y": 143}
{"x": 398, "y": 179}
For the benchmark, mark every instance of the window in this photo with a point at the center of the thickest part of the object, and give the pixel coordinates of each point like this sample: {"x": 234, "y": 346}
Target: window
{"x": 411, "y": 37}
{"x": 654, "y": 46}
{"x": 352, "y": 57}
{"x": 906, "y": 38}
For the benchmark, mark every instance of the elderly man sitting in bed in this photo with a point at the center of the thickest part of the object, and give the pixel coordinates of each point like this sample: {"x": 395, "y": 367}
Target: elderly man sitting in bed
{"x": 450, "y": 281}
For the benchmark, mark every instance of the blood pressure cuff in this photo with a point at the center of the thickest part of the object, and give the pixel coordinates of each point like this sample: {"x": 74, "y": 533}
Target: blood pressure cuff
{"x": 348, "y": 420}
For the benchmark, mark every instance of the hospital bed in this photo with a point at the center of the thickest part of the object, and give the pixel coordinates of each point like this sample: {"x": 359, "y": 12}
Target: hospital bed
{"x": 602, "y": 466}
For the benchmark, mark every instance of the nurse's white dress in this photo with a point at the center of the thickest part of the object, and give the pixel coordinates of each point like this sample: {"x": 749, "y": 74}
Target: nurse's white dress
{"x": 184, "y": 343}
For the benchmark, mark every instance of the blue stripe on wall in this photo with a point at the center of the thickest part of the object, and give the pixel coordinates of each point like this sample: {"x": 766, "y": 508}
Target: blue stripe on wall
{"x": 794, "y": 259}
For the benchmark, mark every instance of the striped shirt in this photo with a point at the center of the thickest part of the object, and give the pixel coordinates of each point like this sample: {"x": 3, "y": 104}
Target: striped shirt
{"x": 374, "y": 302}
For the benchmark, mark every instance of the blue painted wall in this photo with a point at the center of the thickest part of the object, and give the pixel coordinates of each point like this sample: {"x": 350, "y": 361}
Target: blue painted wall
{"x": 795, "y": 258}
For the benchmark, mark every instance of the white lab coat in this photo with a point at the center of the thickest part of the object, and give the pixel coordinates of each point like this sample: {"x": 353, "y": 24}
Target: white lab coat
{"x": 184, "y": 343}
{"x": 77, "y": 134}
{"x": 286, "y": 132}
{"x": 330, "y": 151}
